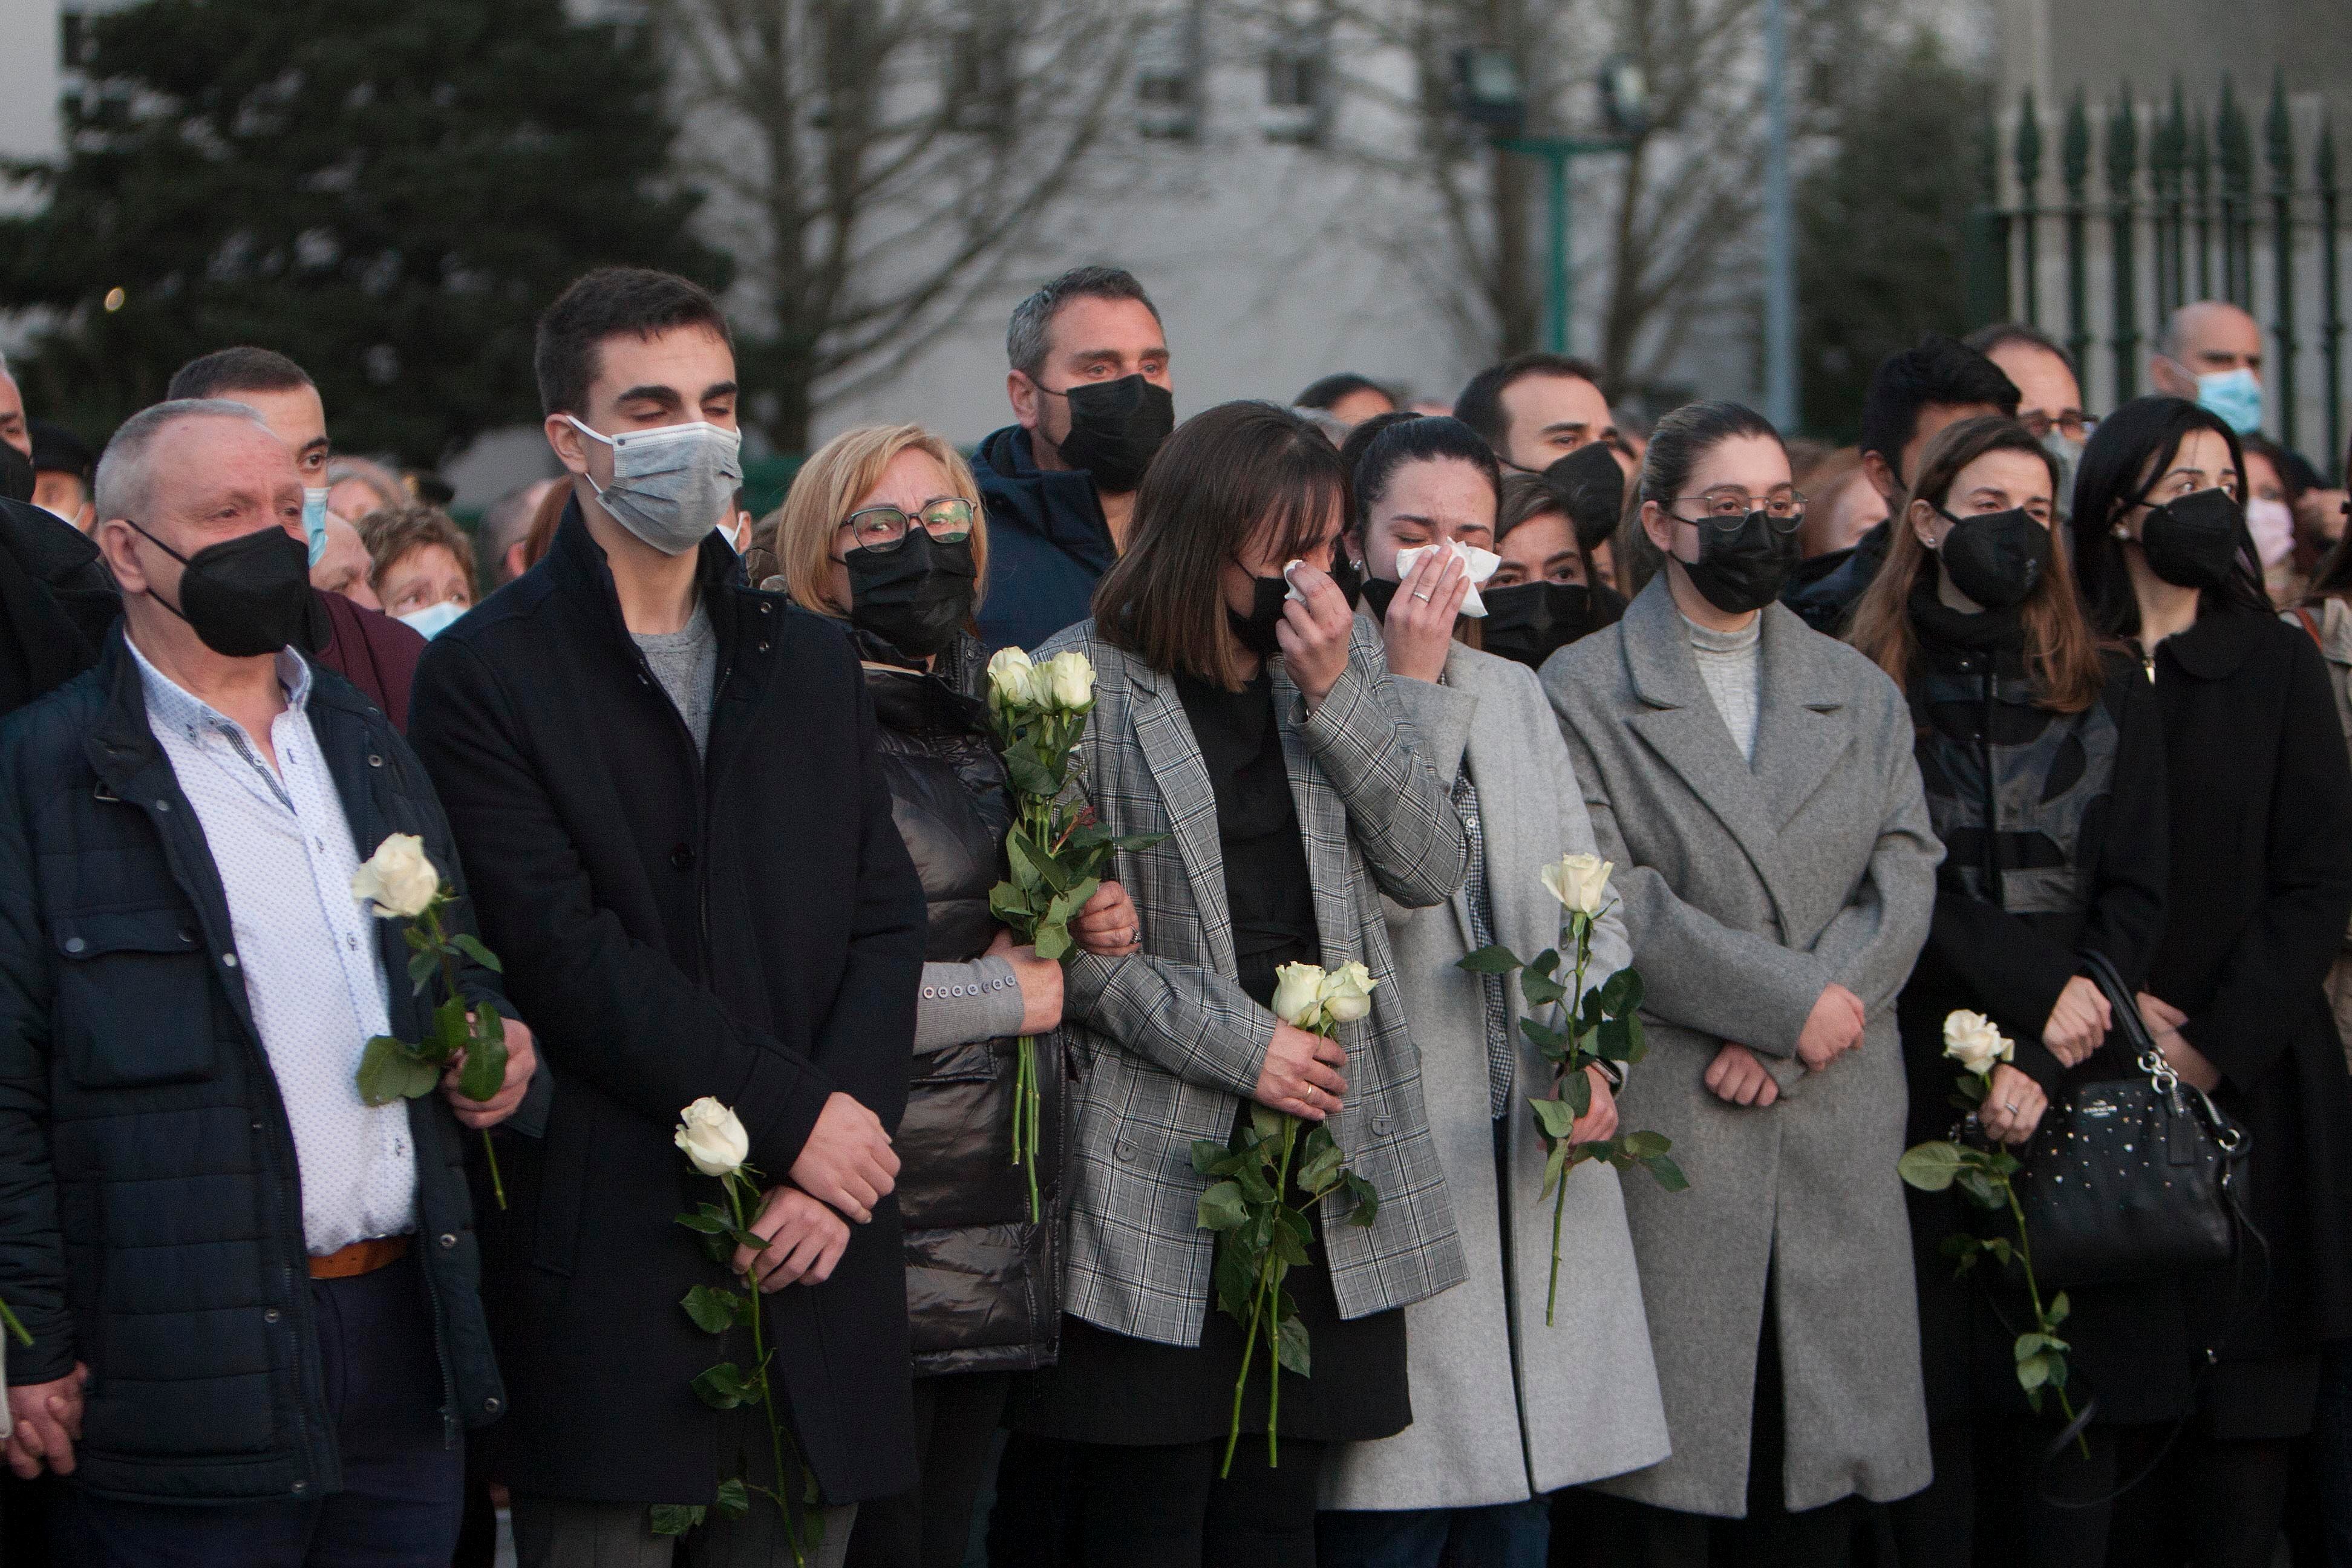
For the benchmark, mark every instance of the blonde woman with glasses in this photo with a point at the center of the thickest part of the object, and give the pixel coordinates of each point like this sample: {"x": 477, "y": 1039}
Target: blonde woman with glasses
{"x": 883, "y": 531}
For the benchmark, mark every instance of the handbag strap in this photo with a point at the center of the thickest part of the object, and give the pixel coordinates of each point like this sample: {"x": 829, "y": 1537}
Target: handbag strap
{"x": 2124, "y": 1004}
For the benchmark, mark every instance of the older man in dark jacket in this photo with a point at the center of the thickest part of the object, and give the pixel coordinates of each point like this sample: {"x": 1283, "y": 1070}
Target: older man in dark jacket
{"x": 668, "y": 786}
{"x": 256, "y": 1336}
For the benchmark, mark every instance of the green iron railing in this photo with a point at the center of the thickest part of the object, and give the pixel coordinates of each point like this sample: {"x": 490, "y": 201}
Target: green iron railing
{"x": 2192, "y": 202}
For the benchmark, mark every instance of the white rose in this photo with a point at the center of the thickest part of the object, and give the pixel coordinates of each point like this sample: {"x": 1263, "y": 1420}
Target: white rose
{"x": 1012, "y": 679}
{"x": 713, "y": 1138}
{"x": 1972, "y": 1040}
{"x": 1581, "y": 882}
{"x": 1069, "y": 680}
{"x": 1347, "y": 992}
{"x": 397, "y": 878}
{"x": 1299, "y": 994}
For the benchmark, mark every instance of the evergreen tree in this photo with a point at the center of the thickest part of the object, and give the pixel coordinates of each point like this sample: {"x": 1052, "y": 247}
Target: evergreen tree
{"x": 388, "y": 190}
{"x": 1882, "y": 229}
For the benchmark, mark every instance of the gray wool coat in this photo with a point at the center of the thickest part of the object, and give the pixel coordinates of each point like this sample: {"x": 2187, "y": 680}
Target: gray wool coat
{"x": 1170, "y": 1043}
{"x": 1505, "y": 1407}
{"x": 1747, "y": 891}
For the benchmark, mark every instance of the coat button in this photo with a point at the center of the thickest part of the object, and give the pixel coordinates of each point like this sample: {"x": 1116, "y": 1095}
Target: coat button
{"x": 763, "y": 648}
{"x": 162, "y": 806}
{"x": 490, "y": 1406}
{"x": 228, "y": 961}
{"x": 767, "y": 609}
{"x": 301, "y": 1487}
{"x": 447, "y": 1241}
{"x": 1124, "y": 1150}
{"x": 374, "y": 760}
{"x": 186, "y": 935}
{"x": 75, "y": 944}
{"x": 271, "y": 1316}
{"x": 1379, "y": 1126}
{"x": 682, "y": 857}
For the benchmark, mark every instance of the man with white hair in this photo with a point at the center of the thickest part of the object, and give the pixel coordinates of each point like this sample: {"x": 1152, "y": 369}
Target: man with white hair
{"x": 252, "y": 1295}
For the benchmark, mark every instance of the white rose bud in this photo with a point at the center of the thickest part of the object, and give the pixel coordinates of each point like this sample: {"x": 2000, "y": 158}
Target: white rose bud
{"x": 1972, "y": 1040}
{"x": 397, "y": 878}
{"x": 713, "y": 1138}
{"x": 1012, "y": 679}
{"x": 1347, "y": 992}
{"x": 1299, "y": 994}
{"x": 1581, "y": 882}
{"x": 1070, "y": 680}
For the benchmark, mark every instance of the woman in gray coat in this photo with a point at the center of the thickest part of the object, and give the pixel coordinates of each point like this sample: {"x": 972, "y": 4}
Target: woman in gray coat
{"x": 1754, "y": 782}
{"x": 1506, "y": 1409}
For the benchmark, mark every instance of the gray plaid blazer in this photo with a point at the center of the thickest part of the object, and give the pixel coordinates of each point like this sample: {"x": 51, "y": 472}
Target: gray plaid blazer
{"x": 1170, "y": 1044}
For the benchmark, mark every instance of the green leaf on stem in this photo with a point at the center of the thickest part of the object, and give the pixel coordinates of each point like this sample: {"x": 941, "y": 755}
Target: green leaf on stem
{"x": 734, "y": 1500}
{"x": 1621, "y": 992}
{"x": 2058, "y": 1309}
{"x": 1555, "y": 1166}
{"x": 1236, "y": 1278}
{"x": 1616, "y": 1039}
{"x": 1930, "y": 1167}
{"x": 391, "y": 1070}
{"x": 450, "y": 1033}
{"x": 1541, "y": 989}
{"x": 1970, "y": 1090}
{"x": 707, "y": 1219}
{"x": 1646, "y": 1145}
{"x": 1209, "y": 1157}
{"x": 1494, "y": 960}
{"x": 750, "y": 1240}
{"x": 1266, "y": 1123}
{"x": 1291, "y": 1343}
{"x": 1554, "y": 1118}
{"x": 674, "y": 1517}
{"x": 724, "y": 1387}
{"x": 2032, "y": 1369}
{"x": 1291, "y": 1236}
{"x": 1321, "y": 1169}
{"x": 1983, "y": 1189}
{"x": 471, "y": 946}
{"x": 1029, "y": 776}
{"x": 1576, "y": 1091}
{"x": 1222, "y": 1208}
{"x": 1367, "y": 1200}
{"x": 2002, "y": 1253}
{"x": 421, "y": 968}
{"x": 485, "y": 1071}
{"x": 1667, "y": 1174}
{"x": 1546, "y": 1039}
{"x": 714, "y": 1310}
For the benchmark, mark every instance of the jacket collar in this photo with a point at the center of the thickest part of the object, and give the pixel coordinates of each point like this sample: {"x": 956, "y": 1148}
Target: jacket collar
{"x": 579, "y": 566}
{"x": 2218, "y": 642}
{"x": 1058, "y": 506}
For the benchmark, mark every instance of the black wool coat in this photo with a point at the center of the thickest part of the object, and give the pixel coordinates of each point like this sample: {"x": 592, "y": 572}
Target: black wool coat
{"x": 2261, "y": 884}
{"x": 746, "y": 926}
{"x": 2055, "y": 846}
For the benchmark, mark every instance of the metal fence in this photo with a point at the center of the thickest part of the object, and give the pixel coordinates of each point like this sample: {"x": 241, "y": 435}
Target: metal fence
{"x": 2158, "y": 204}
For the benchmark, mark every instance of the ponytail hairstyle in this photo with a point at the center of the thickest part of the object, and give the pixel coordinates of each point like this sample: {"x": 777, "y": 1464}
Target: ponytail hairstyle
{"x": 2061, "y": 655}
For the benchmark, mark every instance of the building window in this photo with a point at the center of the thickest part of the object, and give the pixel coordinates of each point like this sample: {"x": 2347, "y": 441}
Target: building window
{"x": 982, "y": 85}
{"x": 1298, "y": 86}
{"x": 1167, "y": 79}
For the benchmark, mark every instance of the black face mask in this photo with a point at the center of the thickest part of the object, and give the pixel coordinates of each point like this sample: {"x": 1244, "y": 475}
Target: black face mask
{"x": 1349, "y": 577}
{"x": 247, "y": 595}
{"x": 1996, "y": 558}
{"x": 1743, "y": 570}
{"x": 2194, "y": 541}
{"x": 1254, "y": 631}
{"x": 1378, "y": 592}
{"x": 1529, "y": 622}
{"x": 916, "y": 597}
{"x": 1115, "y": 429}
{"x": 1592, "y": 489}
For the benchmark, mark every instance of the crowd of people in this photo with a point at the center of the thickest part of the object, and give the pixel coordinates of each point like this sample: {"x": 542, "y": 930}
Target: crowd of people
{"x": 2007, "y": 711}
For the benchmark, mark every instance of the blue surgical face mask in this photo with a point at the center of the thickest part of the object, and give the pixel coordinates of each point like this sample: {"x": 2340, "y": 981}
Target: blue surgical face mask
{"x": 314, "y": 521}
{"x": 2234, "y": 398}
{"x": 434, "y": 619}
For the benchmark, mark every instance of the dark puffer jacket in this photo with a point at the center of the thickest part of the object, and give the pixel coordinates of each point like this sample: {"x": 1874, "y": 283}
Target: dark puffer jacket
{"x": 982, "y": 1294}
{"x": 151, "y": 1208}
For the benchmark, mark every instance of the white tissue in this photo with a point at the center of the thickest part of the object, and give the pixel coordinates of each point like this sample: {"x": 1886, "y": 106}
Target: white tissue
{"x": 1482, "y": 565}
{"x": 1294, "y": 595}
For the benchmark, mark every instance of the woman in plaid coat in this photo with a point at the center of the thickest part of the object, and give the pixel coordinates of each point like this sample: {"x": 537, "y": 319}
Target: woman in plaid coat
{"x": 1261, "y": 734}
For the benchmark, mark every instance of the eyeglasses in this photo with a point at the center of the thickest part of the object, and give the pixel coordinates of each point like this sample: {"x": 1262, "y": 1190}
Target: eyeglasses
{"x": 1725, "y": 510}
{"x": 2074, "y": 426}
{"x": 882, "y": 529}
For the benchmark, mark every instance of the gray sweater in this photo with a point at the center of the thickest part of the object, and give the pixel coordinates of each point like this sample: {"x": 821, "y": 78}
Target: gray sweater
{"x": 1729, "y": 667}
{"x": 966, "y": 1002}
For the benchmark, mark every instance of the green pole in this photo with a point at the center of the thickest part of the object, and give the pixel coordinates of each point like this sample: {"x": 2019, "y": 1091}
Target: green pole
{"x": 1555, "y": 190}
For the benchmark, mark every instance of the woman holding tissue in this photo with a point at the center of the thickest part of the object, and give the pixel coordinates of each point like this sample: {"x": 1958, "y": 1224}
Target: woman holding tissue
{"x": 1505, "y": 1409}
{"x": 1753, "y": 782}
{"x": 1251, "y": 724}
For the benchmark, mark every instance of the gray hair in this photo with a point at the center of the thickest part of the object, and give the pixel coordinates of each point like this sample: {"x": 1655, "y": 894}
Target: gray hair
{"x": 122, "y": 476}
{"x": 1026, "y": 340}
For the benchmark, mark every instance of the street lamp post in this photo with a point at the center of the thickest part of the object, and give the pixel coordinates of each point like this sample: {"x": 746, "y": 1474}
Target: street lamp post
{"x": 1489, "y": 93}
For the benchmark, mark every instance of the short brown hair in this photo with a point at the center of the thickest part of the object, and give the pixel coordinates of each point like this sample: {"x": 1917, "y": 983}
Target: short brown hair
{"x": 832, "y": 481}
{"x": 612, "y": 302}
{"x": 1224, "y": 476}
{"x": 390, "y": 532}
{"x": 2061, "y": 655}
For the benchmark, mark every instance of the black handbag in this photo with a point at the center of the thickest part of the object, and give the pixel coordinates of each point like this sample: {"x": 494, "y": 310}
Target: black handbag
{"x": 2130, "y": 1179}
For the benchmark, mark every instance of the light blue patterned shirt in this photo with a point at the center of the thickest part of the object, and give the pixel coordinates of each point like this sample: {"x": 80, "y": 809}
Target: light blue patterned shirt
{"x": 305, "y": 947}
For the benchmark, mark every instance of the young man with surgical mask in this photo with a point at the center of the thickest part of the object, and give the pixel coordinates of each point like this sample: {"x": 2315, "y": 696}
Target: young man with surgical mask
{"x": 2211, "y": 354}
{"x": 1089, "y": 385}
{"x": 666, "y": 788}
{"x": 364, "y": 645}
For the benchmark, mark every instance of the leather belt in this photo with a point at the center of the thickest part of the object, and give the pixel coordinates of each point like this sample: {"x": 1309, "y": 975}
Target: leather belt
{"x": 360, "y": 1257}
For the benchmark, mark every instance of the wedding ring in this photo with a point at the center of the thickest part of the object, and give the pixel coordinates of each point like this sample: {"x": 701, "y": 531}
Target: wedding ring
{"x": 2009, "y": 1106}
{"x": 1423, "y": 597}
